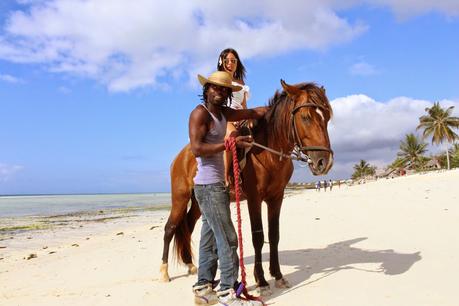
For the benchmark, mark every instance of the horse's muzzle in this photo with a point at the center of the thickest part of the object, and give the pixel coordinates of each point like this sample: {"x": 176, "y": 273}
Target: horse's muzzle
{"x": 321, "y": 162}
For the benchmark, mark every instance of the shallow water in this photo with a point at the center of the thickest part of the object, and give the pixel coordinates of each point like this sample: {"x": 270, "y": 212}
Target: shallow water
{"x": 51, "y": 205}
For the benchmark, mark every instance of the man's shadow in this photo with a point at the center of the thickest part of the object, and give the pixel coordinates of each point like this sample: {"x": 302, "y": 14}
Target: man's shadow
{"x": 332, "y": 259}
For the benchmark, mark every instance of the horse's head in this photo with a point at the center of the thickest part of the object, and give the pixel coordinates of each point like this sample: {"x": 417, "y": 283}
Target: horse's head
{"x": 310, "y": 115}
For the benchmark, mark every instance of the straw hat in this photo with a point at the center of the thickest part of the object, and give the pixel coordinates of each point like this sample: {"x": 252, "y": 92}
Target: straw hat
{"x": 220, "y": 78}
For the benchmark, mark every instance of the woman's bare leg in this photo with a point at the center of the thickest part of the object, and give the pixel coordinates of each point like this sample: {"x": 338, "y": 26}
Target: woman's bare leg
{"x": 228, "y": 156}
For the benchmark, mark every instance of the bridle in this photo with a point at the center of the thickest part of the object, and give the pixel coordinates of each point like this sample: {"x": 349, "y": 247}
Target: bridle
{"x": 298, "y": 149}
{"x": 298, "y": 152}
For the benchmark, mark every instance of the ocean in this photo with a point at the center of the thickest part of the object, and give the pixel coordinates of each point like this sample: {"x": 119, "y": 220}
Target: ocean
{"x": 55, "y": 205}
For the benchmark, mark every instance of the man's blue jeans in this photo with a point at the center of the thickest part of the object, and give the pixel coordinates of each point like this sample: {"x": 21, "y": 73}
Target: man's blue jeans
{"x": 218, "y": 237}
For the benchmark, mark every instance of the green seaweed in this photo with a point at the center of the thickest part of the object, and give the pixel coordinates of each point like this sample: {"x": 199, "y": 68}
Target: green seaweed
{"x": 29, "y": 227}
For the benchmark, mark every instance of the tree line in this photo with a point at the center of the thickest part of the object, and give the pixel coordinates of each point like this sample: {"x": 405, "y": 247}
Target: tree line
{"x": 439, "y": 124}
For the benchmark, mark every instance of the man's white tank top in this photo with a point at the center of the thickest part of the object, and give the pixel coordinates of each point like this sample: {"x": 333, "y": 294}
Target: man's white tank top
{"x": 211, "y": 169}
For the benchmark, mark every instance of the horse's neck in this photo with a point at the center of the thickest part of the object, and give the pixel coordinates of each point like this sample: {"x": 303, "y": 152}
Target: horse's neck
{"x": 264, "y": 134}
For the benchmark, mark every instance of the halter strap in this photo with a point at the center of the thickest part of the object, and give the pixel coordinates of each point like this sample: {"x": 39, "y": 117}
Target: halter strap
{"x": 299, "y": 148}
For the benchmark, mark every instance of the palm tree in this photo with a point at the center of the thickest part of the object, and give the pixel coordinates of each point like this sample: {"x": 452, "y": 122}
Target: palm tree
{"x": 454, "y": 152}
{"x": 411, "y": 152}
{"x": 454, "y": 149}
{"x": 439, "y": 123}
{"x": 397, "y": 163}
{"x": 363, "y": 169}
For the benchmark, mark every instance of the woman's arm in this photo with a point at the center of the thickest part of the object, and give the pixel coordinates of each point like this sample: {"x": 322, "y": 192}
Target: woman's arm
{"x": 243, "y": 114}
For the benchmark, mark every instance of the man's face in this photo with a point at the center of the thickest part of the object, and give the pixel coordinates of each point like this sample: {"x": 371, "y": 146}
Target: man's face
{"x": 218, "y": 94}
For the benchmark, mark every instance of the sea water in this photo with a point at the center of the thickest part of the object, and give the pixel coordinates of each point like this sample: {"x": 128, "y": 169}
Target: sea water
{"x": 52, "y": 205}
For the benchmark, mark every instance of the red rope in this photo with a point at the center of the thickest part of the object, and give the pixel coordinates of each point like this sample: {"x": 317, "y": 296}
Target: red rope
{"x": 230, "y": 145}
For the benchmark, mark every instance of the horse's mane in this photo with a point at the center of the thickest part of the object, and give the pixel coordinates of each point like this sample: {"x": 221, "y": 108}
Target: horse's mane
{"x": 280, "y": 107}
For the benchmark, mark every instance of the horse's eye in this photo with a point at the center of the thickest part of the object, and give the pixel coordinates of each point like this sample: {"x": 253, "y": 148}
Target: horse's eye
{"x": 306, "y": 119}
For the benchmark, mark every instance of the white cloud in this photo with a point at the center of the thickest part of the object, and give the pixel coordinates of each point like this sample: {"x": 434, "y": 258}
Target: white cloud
{"x": 363, "y": 128}
{"x": 10, "y": 79}
{"x": 7, "y": 171}
{"x": 363, "y": 69}
{"x": 131, "y": 45}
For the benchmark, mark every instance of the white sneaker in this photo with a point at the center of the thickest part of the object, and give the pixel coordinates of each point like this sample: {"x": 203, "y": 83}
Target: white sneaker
{"x": 229, "y": 298}
{"x": 204, "y": 295}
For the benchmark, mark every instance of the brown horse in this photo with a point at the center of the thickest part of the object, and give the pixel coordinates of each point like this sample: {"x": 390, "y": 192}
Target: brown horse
{"x": 296, "y": 122}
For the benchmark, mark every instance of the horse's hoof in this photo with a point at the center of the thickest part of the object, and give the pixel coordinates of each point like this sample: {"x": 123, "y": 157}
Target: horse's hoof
{"x": 282, "y": 283}
{"x": 264, "y": 291}
{"x": 192, "y": 269}
{"x": 164, "y": 274}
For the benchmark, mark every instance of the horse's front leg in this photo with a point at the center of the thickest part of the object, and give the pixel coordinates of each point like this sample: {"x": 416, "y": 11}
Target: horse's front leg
{"x": 258, "y": 239}
{"x": 274, "y": 208}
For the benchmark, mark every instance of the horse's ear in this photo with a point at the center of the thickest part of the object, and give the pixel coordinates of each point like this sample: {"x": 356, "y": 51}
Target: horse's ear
{"x": 289, "y": 89}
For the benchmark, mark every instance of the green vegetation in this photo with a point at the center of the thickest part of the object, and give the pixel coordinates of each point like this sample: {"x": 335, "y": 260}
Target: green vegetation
{"x": 454, "y": 152}
{"x": 363, "y": 169}
{"x": 440, "y": 124}
{"x": 28, "y": 227}
{"x": 411, "y": 153}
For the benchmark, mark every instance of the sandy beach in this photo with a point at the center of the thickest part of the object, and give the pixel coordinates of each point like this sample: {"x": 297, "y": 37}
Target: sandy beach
{"x": 388, "y": 242}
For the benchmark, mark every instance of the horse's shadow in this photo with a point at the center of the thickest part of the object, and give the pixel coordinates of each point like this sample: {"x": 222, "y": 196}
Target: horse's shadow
{"x": 333, "y": 258}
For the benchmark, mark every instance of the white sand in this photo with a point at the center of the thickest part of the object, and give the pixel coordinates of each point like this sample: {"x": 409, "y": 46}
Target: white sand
{"x": 390, "y": 242}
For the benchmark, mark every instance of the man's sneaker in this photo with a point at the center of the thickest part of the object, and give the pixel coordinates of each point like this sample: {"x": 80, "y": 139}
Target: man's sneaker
{"x": 229, "y": 298}
{"x": 204, "y": 295}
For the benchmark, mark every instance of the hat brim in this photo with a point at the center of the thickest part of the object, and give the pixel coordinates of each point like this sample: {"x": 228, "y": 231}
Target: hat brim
{"x": 204, "y": 81}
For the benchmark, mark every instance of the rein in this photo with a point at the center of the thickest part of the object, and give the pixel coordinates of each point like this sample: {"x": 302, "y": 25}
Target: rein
{"x": 230, "y": 145}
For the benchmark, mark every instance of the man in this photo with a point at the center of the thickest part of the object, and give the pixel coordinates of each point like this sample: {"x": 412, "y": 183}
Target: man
{"x": 218, "y": 242}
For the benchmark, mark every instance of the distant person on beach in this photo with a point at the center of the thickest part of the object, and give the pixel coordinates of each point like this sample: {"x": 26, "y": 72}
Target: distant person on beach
{"x": 318, "y": 186}
{"x": 325, "y": 185}
{"x": 218, "y": 243}
{"x": 229, "y": 61}
{"x": 330, "y": 184}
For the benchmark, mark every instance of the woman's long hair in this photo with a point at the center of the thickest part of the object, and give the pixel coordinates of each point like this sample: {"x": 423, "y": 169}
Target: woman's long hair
{"x": 239, "y": 74}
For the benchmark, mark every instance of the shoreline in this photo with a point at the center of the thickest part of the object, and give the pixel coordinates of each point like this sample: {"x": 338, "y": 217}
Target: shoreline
{"x": 33, "y": 234}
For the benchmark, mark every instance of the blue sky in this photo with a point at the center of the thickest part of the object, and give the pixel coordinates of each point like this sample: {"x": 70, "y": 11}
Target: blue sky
{"x": 95, "y": 95}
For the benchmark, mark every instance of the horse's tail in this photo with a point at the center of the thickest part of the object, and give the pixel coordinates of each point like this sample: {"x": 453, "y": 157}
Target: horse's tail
{"x": 182, "y": 242}
{"x": 182, "y": 238}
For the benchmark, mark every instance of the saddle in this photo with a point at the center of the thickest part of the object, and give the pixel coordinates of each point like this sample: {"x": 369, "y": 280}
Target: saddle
{"x": 244, "y": 128}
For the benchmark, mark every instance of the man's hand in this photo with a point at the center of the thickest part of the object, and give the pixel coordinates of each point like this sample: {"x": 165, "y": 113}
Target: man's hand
{"x": 244, "y": 141}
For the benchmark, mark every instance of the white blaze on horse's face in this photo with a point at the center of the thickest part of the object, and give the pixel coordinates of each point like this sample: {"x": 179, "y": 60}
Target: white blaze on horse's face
{"x": 320, "y": 113}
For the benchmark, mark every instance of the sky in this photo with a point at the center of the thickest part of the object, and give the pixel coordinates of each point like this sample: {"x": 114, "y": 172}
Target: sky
{"x": 95, "y": 95}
